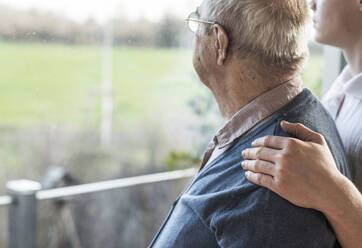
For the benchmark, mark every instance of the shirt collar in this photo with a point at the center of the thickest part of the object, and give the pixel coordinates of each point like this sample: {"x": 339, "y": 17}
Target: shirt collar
{"x": 352, "y": 85}
{"x": 257, "y": 110}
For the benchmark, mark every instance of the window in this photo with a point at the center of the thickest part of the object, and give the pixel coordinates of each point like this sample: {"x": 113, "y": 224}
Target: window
{"x": 104, "y": 89}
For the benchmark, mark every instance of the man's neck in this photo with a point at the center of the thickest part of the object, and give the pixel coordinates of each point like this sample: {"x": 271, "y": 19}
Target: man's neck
{"x": 353, "y": 56}
{"x": 236, "y": 88}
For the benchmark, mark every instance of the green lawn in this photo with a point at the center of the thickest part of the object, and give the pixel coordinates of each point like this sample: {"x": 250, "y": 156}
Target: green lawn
{"x": 58, "y": 83}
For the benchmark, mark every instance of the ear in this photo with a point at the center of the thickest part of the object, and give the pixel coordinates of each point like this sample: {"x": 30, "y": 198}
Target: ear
{"x": 221, "y": 43}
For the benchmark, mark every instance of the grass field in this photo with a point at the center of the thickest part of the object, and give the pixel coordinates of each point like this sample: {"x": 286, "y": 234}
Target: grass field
{"x": 58, "y": 83}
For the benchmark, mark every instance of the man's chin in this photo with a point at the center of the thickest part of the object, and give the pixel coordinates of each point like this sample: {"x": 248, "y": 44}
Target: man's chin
{"x": 203, "y": 80}
{"x": 199, "y": 73}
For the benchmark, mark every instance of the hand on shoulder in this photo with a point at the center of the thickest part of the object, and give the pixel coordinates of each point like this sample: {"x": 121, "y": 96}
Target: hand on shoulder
{"x": 301, "y": 171}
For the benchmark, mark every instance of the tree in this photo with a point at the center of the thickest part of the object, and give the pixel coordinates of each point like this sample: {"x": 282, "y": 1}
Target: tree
{"x": 169, "y": 32}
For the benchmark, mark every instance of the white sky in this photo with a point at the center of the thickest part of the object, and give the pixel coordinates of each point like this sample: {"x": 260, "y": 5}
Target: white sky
{"x": 103, "y": 9}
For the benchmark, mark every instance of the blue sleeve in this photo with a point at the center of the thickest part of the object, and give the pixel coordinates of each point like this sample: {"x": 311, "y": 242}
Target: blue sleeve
{"x": 260, "y": 218}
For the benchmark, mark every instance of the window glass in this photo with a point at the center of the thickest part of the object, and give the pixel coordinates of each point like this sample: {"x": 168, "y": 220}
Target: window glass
{"x": 100, "y": 90}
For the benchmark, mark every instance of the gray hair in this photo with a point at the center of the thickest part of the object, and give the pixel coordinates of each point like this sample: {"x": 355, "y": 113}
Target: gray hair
{"x": 274, "y": 32}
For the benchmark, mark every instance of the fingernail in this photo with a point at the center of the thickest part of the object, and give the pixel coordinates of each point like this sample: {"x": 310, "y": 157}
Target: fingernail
{"x": 243, "y": 164}
{"x": 247, "y": 174}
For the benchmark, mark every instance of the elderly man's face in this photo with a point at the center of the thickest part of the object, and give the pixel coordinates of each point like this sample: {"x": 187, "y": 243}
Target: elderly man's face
{"x": 203, "y": 54}
{"x": 336, "y": 21}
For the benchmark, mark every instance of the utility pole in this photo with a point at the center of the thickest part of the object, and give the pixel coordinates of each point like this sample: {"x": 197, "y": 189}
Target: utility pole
{"x": 106, "y": 87}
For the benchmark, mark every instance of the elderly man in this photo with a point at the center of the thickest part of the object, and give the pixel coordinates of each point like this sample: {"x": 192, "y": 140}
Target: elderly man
{"x": 249, "y": 53}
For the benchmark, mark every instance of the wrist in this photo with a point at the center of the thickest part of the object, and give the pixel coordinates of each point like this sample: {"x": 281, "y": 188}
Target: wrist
{"x": 339, "y": 201}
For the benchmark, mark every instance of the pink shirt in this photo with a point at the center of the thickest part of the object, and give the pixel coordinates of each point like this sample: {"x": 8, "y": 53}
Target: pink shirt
{"x": 250, "y": 116}
{"x": 344, "y": 102}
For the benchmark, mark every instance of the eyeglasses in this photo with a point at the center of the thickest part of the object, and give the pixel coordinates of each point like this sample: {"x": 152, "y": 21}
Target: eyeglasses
{"x": 193, "y": 21}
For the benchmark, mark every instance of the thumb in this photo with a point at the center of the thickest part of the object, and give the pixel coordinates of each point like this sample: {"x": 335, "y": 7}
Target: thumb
{"x": 302, "y": 132}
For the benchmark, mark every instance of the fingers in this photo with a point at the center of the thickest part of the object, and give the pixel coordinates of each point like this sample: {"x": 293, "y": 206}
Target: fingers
{"x": 260, "y": 153}
{"x": 302, "y": 132}
{"x": 258, "y": 166}
{"x": 260, "y": 179}
{"x": 274, "y": 142}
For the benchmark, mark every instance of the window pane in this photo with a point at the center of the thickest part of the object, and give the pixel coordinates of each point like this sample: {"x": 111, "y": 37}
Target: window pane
{"x": 97, "y": 90}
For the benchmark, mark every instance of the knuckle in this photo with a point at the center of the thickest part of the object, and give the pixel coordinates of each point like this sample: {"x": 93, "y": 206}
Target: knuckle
{"x": 281, "y": 172}
{"x": 282, "y": 176}
{"x": 283, "y": 157}
{"x": 287, "y": 154}
{"x": 291, "y": 143}
{"x": 256, "y": 164}
{"x": 299, "y": 126}
{"x": 321, "y": 138}
{"x": 267, "y": 140}
{"x": 258, "y": 178}
{"x": 258, "y": 152}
